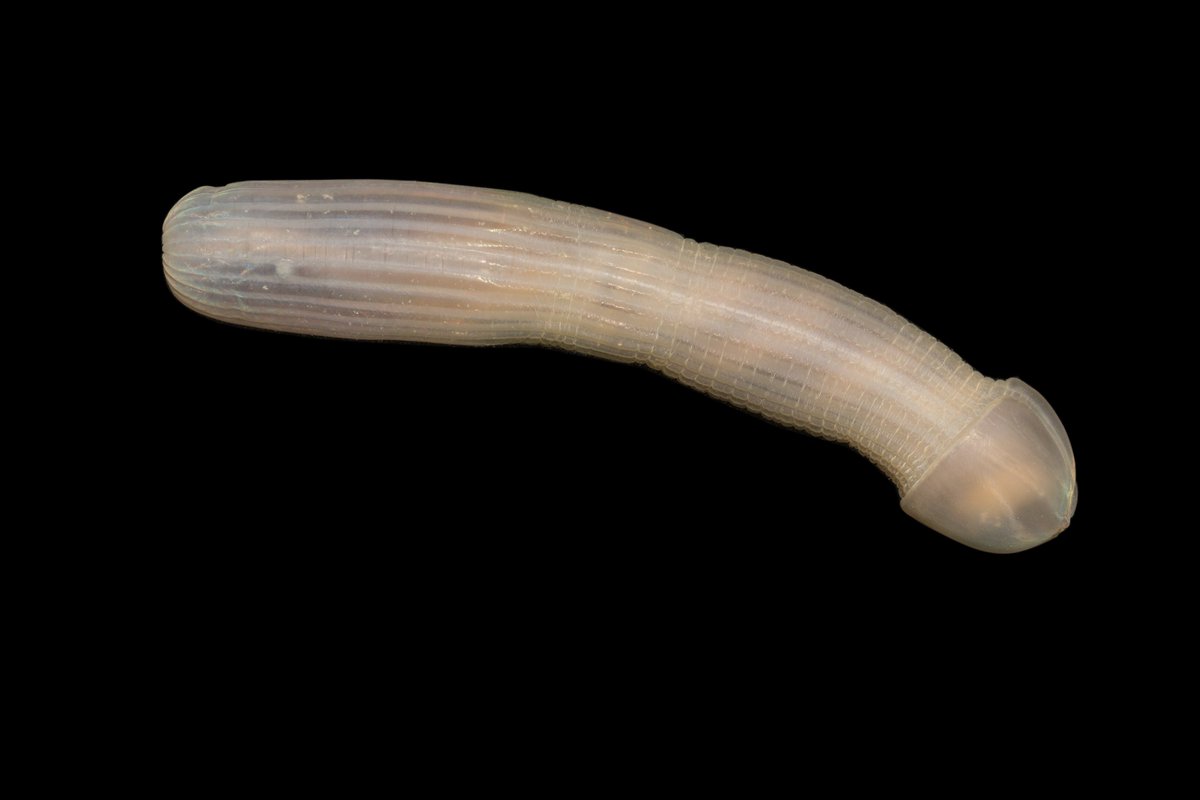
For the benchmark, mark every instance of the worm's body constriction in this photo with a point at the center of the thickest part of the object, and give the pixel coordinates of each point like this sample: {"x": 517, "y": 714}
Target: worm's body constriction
{"x": 435, "y": 263}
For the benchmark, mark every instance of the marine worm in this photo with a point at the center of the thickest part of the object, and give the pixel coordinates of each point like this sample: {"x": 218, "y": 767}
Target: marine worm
{"x": 982, "y": 461}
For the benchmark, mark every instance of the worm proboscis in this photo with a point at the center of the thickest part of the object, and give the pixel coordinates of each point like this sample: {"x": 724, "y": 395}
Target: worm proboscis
{"x": 983, "y": 461}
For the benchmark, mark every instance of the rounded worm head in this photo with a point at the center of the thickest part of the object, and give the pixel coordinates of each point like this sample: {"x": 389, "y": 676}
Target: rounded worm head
{"x": 1007, "y": 483}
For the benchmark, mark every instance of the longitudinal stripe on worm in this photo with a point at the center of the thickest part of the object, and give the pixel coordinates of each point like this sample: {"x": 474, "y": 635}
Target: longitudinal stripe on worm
{"x": 985, "y": 462}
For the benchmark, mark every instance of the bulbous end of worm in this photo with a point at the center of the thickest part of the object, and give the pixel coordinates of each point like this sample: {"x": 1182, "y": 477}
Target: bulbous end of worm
{"x": 1007, "y": 483}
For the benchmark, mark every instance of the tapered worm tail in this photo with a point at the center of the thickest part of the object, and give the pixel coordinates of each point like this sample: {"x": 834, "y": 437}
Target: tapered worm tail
{"x": 985, "y": 462}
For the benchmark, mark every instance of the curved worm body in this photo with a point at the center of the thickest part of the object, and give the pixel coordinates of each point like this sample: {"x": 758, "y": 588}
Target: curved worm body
{"x": 985, "y": 462}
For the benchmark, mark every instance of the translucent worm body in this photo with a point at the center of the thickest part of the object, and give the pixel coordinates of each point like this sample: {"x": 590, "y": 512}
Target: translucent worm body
{"x": 985, "y": 462}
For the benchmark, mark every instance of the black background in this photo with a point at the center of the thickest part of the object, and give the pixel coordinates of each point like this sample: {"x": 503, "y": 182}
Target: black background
{"x": 302, "y": 477}
{"x": 297, "y": 542}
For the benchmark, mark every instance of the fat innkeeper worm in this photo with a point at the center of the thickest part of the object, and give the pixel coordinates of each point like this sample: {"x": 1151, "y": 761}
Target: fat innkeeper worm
{"x": 982, "y": 461}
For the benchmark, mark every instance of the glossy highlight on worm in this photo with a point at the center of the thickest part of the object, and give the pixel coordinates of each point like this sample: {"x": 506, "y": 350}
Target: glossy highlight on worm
{"x": 982, "y": 461}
